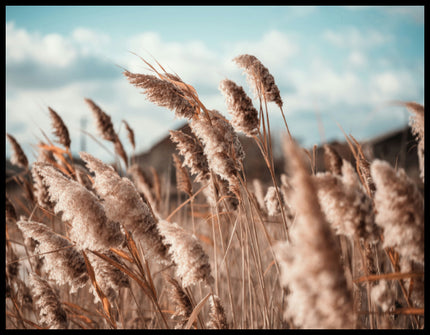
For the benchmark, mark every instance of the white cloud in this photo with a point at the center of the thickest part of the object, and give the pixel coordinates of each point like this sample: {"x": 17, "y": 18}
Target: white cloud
{"x": 89, "y": 41}
{"x": 357, "y": 59}
{"x": 51, "y": 49}
{"x": 357, "y": 39}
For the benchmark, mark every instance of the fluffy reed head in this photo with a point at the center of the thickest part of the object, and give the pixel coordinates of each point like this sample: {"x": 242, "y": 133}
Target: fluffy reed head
{"x": 183, "y": 182}
{"x": 60, "y": 129}
{"x": 332, "y": 160}
{"x": 90, "y": 227}
{"x": 218, "y": 319}
{"x": 400, "y": 210}
{"x": 18, "y": 156}
{"x": 130, "y": 134}
{"x": 163, "y": 93}
{"x": 46, "y": 299}
{"x": 244, "y": 115}
{"x": 272, "y": 203}
{"x": 310, "y": 263}
{"x": 103, "y": 121}
{"x": 262, "y": 80}
{"x": 180, "y": 299}
{"x": 416, "y": 121}
{"x": 64, "y": 263}
{"x": 41, "y": 191}
{"x": 192, "y": 263}
{"x": 122, "y": 203}
{"x": 192, "y": 152}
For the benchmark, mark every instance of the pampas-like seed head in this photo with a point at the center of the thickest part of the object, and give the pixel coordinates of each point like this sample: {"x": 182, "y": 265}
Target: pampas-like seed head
{"x": 46, "y": 299}
{"x": 192, "y": 263}
{"x": 65, "y": 265}
{"x": 192, "y": 152}
{"x": 272, "y": 203}
{"x": 319, "y": 296}
{"x": 184, "y": 308}
{"x": 109, "y": 278}
{"x": 18, "y": 156}
{"x": 261, "y": 78}
{"x": 400, "y": 210}
{"x": 60, "y": 129}
{"x": 130, "y": 134}
{"x": 103, "y": 121}
{"x": 416, "y": 121}
{"x": 163, "y": 93}
{"x": 183, "y": 182}
{"x": 41, "y": 191}
{"x": 332, "y": 160}
{"x": 244, "y": 115}
{"x": 90, "y": 227}
{"x": 218, "y": 319}
{"x": 122, "y": 203}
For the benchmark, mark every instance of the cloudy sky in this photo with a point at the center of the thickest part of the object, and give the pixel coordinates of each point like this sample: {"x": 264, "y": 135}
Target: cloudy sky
{"x": 333, "y": 65}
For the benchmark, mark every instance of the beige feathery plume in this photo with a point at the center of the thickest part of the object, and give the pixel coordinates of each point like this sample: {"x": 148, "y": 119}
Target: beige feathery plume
{"x": 90, "y": 227}
{"x": 60, "y": 129}
{"x": 109, "y": 278}
{"x": 82, "y": 176}
{"x": 218, "y": 319}
{"x": 332, "y": 160}
{"x": 64, "y": 263}
{"x": 400, "y": 210}
{"x": 180, "y": 299}
{"x": 192, "y": 152}
{"x": 272, "y": 203}
{"x": 18, "y": 157}
{"x": 347, "y": 207}
{"x": 183, "y": 182}
{"x": 47, "y": 300}
{"x": 163, "y": 93}
{"x": 260, "y": 77}
{"x": 244, "y": 115}
{"x": 106, "y": 129}
{"x": 192, "y": 263}
{"x": 130, "y": 134}
{"x": 310, "y": 263}
{"x": 221, "y": 147}
{"x": 41, "y": 191}
{"x": 416, "y": 121}
{"x": 123, "y": 204}
{"x": 143, "y": 184}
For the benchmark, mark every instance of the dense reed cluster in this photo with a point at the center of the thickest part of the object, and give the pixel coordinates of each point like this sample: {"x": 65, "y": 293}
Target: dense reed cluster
{"x": 98, "y": 245}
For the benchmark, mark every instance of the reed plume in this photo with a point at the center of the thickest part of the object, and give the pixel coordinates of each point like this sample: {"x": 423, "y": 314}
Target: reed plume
{"x": 218, "y": 319}
{"x": 332, "y": 160}
{"x": 163, "y": 93}
{"x": 60, "y": 129}
{"x": 109, "y": 278}
{"x": 260, "y": 78}
{"x": 122, "y": 203}
{"x": 180, "y": 299}
{"x": 192, "y": 263}
{"x": 416, "y": 121}
{"x": 221, "y": 147}
{"x": 130, "y": 134}
{"x": 259, "y": 193}
{"x": 64, "y": 263}
{"x": 106, "y": 129}
{"x": 18, "y": 156}
{"x": 90, "y": 226}
{"x": 347, "y": 207}
{"x": 46, "y": 299}
{"x": 310, "y": 263}
{"x": 272, "y": 203}
{"x": 400, "y": 210}
{"x": 143, "y": 184}
{"x": 41, "y": 191}
{"x": 244, "y": 115}
{"x": 183, "y": 182}
{"x": 192, "y": 152}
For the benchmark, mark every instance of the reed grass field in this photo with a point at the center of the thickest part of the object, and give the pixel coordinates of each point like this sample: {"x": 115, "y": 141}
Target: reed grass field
{"x": 92, "y": 244}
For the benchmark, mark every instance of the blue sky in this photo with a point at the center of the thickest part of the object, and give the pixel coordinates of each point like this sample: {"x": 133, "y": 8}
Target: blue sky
{"x": 337, "y": 64}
